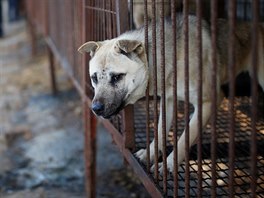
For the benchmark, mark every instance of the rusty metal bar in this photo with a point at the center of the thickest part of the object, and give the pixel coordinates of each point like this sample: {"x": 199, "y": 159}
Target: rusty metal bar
{"x": 128, "y": 127}
{"x": 200, "y": 90}
{"x": 101, "y": 9}
{"x": 52, "y": 72}
{"x": 186, "y": 94}
{"x": 175, "y": 102}
{"x": 131, "y": 7}
{"x": 231, "y": 75}
{"x": 155, "y": 91}
{"x": 254, "y": 85}
{"x": 97, "y": 22}
{"x": 128, "y": 114}
{"x": 89, "y": 120}
{"x": 33, "y": 38}
{"x": 105, "y": 20}
{"x": 100, "y": 23}
{"x": 163, "y": 97}
{"x": 90, "y": 151}
{"x": 115, "y": 21}
{"x": 214, "y": 88}
{"x": 121, "y": 14}
{"x": 146, "y": 26}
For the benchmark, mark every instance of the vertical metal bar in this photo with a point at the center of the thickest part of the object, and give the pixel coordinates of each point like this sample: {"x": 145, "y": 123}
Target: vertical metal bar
{"x": 32, "y": 38}
{"x": 128, "y": 127}
{"x": 105, "y": 21}
{"x": 128, "y": 114}
{"x": 132, "y": 12}
{"x": 122, "y": 17}
{"x": 90, "y": 150}
{"x": 100, "y": 22}
{"x": 52, "y": 72}
{"x": 186, "y": 95}
{"x": 255, "y": 58}
{"x": 97, "y": 25}
{"x": 214, "y": 13}
{"x": 163, "y": 96}
{"x": 200, "y": 77}
{"x": 46, "y": 20}
{"x": 175, "y": 102}
{"x": 154, "y": 55}
{"x": 89, "y": 118}
{"x": 146, "y": 26}
{"x": 109, "y": 32}
{"x": 231, "y": 74}
{"x": 114, "y": 20}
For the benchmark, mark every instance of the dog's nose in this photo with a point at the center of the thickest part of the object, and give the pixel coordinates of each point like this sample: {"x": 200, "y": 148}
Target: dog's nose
{"x": 98, "y": 108}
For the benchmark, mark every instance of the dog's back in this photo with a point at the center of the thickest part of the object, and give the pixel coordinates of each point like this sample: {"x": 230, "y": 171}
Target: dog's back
{"x": 242, "y": 49}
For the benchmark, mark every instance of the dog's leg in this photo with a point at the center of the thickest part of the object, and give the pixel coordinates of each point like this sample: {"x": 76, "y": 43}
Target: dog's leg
{"x": 142, "y": 154}
{"x": 193, "y": 124}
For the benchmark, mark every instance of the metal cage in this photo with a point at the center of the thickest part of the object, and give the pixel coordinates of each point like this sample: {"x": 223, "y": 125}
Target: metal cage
{"x": 227, "y": 158}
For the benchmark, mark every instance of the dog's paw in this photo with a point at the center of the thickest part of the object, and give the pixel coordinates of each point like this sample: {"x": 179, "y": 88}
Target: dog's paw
{"x": 142, "y": 155}
{"x": 161, "y": 168}
{"x": 152, "y": 169}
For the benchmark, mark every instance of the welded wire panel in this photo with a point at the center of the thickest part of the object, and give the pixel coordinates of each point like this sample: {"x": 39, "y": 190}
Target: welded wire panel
{"x": 65, "y": 31}
{"x": 242, "y": 144}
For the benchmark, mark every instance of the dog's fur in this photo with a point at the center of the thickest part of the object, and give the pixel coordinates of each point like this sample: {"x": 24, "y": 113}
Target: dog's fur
{"x": 122, "y": 72}
{"x": 139, "y": 12}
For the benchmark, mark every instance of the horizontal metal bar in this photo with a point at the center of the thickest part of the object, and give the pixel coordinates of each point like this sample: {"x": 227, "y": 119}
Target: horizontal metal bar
{"x": 100, "y": 9}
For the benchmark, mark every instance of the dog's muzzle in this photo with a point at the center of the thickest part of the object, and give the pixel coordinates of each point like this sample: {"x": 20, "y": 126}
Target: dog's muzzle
{"x": 106, "y": 112}
{"x": 98, "y": 108}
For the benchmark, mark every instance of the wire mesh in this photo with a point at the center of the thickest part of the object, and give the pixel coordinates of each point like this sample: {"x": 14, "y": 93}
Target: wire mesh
{"x": 242, "y": 177}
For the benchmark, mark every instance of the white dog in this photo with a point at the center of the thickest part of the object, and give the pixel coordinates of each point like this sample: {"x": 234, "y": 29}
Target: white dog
{"x": 120, "y": 72}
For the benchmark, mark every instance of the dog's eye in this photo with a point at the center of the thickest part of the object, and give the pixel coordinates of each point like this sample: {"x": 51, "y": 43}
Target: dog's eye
{"x": 116, "y": 77}
{"x": 123, "y": 52}
{"x": 94, "y": 78}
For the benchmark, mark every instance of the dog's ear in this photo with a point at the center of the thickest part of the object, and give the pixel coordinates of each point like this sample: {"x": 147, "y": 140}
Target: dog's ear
{"x": 128, "y": 46}
{"x": 90, "y": 47}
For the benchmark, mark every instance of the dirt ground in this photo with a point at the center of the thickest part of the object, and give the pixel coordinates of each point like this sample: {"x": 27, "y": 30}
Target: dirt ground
{"x": 41, "y": 135}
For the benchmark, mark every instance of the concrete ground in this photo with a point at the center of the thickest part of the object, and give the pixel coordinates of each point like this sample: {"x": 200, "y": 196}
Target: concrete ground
{"x": 41, "y": 136}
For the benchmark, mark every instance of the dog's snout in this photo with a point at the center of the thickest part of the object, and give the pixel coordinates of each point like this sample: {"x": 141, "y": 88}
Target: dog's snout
{"x": 98, "y": 108}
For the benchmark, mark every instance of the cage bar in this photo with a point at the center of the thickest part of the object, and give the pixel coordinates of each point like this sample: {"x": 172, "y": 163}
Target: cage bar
{"x": 254, "y": 84}
{"x": 214, "y": 9}
{"x": 231, "y": 75}
{"x": 200, "y": 90}
{"x": 186, "y": 95}
{"x": 175, "y": 109}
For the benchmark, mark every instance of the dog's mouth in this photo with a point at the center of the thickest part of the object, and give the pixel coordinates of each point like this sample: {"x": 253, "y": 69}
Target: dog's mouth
{"x": 118, "y": 109}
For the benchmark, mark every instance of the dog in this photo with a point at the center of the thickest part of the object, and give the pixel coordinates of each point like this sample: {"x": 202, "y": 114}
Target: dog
{"x": 139, "y": 12}
{"x": 120, "y": 72}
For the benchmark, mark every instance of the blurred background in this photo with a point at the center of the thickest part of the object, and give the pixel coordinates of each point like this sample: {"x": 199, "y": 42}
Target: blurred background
{"x": 41, "y": 135}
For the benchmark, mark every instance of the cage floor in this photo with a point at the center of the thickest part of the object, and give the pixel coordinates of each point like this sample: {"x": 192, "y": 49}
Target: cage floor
{"x": 242, "y": 150}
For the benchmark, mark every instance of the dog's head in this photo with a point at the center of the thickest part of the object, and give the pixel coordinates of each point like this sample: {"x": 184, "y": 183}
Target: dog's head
{"x": 119, "y": 74}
